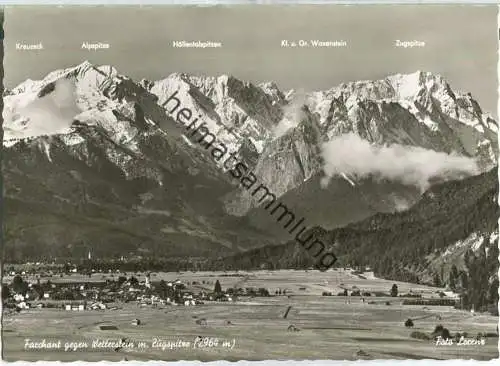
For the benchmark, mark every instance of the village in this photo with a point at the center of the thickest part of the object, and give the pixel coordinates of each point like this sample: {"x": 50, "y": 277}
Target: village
{"x": 77, "y": 288}
{"x": 139, "y": 306}
{"x": 76, "y": 291}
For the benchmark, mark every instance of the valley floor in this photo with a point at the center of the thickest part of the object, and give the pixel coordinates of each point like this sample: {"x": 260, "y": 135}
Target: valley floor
{"x": 326, "y": 327}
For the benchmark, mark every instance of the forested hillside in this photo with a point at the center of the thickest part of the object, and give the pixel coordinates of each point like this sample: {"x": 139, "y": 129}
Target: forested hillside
{"x": 454, "y": 225}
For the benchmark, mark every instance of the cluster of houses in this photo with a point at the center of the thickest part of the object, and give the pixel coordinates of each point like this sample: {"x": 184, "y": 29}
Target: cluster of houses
{"x": 98, "y": 295}
{"x": 68, "y": 296}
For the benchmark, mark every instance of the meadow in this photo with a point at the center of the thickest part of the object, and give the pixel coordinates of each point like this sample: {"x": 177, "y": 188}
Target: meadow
{"x": 322, "y": 327}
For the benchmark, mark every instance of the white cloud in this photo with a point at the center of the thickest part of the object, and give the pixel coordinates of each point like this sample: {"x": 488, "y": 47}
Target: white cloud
{"x": 52, "y": 113}
{"x": 350, "y": 154}
{"x": 293, "y": 114}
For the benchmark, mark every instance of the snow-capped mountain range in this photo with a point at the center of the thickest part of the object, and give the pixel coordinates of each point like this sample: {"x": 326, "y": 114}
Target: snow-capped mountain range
{"x": 90, "y": 129}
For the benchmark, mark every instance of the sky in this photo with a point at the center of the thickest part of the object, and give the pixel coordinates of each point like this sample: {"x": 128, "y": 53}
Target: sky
{"x": 460, "y": 43}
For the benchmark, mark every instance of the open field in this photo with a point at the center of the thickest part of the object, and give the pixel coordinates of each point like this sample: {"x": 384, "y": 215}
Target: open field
{"x": 329, "y": 328}
{"x": 314, "y": 282}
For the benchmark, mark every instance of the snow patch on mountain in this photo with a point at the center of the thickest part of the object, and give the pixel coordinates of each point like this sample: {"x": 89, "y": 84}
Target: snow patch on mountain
{"x": 238, "y": 104}
{"x": 493, "y": 237}
{"x": 259, "y": 145}
{"x": 72, "y": 139}
{"x": 272, "y": 90}
{"x": 178, "y": 86}
{"x": 351, "y": 182}
{"x": 46, "y": 148}
{"x": 473, "y": 241}
{"x": 405, "y": 86}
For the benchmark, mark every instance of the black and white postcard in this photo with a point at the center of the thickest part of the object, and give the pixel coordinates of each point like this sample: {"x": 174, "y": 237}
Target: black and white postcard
{"x": 250, "y": 182}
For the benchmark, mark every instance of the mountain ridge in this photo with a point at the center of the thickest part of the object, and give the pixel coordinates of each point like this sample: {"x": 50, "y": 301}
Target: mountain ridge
{"x": 466, "y": 208}
{"x": 122, "y": 146}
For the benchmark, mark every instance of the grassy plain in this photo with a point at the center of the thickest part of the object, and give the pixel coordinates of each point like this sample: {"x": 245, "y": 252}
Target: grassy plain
{"x": 329, "y": 327}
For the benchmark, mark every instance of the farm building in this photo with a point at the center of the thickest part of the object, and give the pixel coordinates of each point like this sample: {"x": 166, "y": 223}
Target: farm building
{"x": 108, "y": 327}
{"x": 69, "y": 307}
{"x": 98, "y": 306}
{"x": 23, "y": 305}
{"x": 75, "y": 305}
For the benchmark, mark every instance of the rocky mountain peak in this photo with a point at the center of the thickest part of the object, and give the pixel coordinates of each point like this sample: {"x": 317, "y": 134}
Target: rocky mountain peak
{"x": 121, "y": 137}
